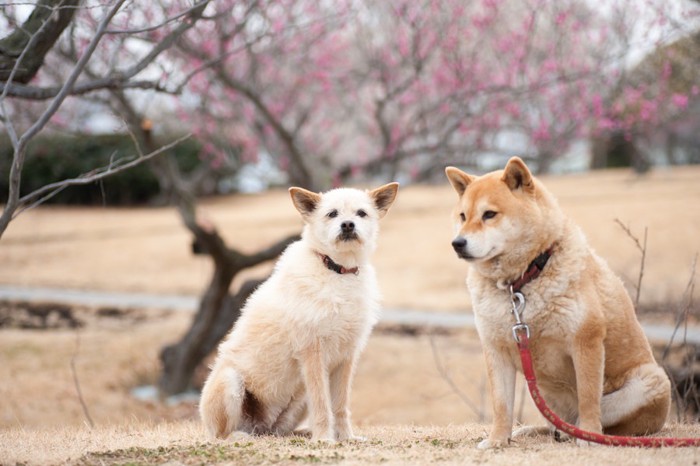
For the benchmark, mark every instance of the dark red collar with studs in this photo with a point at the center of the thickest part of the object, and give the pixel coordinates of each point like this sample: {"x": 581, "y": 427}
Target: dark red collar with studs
{"x": 337, "y": 268}
{"x": 533, "y": 271}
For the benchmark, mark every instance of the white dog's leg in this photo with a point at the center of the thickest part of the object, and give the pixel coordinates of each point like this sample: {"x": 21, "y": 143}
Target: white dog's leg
{"x": 290, "y": 418}
{"x": 317, "y": 384}
{"x": 341, "y": 380}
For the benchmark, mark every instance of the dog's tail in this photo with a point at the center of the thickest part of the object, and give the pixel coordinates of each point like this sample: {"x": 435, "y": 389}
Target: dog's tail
{"x": 222, "y": 401}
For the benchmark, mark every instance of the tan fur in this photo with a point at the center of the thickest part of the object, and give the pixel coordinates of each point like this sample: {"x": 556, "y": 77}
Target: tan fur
{"x": 593, "y": 363}
{"x": 294, "y": 348}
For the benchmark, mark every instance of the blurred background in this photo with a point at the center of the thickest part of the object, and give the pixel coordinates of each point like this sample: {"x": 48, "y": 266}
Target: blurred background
{"x": 159, "y": 139}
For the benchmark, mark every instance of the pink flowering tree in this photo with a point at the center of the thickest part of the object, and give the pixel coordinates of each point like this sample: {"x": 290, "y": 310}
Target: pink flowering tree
{"x": 401, "y": 88}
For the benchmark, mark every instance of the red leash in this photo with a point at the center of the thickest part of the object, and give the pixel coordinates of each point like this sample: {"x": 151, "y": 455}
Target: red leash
{"x": 522, "y": 337}
{"x": 521, "y": 333}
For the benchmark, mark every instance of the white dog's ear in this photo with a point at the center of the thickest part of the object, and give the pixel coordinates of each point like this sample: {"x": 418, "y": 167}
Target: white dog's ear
{"x": 458, "y": 179}
{"x": 383, "y": 197}
{"x": 305, "y": 201}
{"x": 516, "y": 175}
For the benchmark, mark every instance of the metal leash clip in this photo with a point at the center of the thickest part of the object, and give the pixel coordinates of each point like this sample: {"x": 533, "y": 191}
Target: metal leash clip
{"x": 517, "y": 300}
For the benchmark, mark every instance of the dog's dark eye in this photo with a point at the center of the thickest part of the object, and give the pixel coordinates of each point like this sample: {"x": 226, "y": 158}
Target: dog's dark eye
{"x": 332, "y": 214}
{"x": 463, "y": 217}
{"x": 488, "y": 214}
{"x": 361, "y": 213}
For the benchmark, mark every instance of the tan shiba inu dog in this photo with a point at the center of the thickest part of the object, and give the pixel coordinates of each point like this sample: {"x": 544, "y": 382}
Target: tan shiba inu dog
{"x": 593, "y": 363}
{"x": 296, "y": 343}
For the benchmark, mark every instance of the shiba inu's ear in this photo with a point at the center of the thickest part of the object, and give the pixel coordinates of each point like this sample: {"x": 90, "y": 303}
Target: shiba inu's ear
{"x": 516, "y": 175}
{"x": 305, "y": 201}
{"x": 384, "y": 196}
{"x": 458, "y": 179}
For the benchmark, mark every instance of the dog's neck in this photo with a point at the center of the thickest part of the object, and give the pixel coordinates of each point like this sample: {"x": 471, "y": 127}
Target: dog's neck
{"x": 335, "y": 267}
{"x": 516, "y": 270}
{"x": 533, "y": 270}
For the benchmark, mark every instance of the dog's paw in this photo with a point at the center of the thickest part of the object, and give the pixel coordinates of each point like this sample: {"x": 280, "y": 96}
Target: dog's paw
{"x": 488, "y": 444}
{"x": 327, "y": 437}
{"x": 530, "y": 431}
{"x": 240, "y": 436}
{"x": 302, "y": 433}
{"x": 586, "y": 443}
{"x": 353, "y": 438}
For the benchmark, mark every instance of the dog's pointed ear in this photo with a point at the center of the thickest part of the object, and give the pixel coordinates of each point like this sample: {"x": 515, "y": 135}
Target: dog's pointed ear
{"x": 458, "y": 179}
{"x": 517, "y": 176}
{"x": 384, "y": 196}
{"x": 305, "y": 201}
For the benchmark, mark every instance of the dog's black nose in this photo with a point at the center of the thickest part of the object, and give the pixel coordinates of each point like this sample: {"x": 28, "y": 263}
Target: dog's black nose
{"x": 459, "y": 244}
{"x": 347, "y": 226}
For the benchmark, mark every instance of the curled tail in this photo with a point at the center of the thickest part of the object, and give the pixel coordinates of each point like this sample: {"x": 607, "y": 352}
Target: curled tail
{"x": 222, "y": 401}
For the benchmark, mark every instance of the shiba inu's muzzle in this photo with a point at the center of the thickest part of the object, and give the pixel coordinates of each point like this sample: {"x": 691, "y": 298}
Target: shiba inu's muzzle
{"x": 460, "y": 246}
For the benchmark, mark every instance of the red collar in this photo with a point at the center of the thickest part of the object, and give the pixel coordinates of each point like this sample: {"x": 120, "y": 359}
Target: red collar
{"x": 533, "y": 271}
{"x": 337, "y": 268}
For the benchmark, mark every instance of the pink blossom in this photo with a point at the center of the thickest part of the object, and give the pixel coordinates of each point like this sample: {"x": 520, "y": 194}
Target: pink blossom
{"x": 561, "y": 18}
{"x": 680, "y": 100}
{"x": 666, "y": 70}
{"x": 541, "y": 133}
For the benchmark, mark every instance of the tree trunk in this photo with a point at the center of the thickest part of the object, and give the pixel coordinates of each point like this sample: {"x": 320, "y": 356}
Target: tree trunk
{"x": 218, "y": 310}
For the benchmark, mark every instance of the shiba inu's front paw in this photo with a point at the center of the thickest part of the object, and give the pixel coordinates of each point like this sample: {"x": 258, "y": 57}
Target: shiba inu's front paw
{"x": 585, "y": 443}
{"x": 531, "y": 431}
{"x": 488, "y": 443}
{"x": 353, "y": 438}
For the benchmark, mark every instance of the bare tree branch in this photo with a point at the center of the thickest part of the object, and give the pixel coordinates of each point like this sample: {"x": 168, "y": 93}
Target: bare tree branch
{"x": 478, "y": 412}
{"x": 22, "y": 52}
{"x": 21, "y": 147}
{"x": 44, "y": 193}
{"x": 642, "y": 247}
{"x": 76, "y": 382}
{"x": 44, "y": 93}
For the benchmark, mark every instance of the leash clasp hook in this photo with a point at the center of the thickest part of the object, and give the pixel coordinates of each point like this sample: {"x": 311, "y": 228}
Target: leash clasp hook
{"x": 517, "y": 301}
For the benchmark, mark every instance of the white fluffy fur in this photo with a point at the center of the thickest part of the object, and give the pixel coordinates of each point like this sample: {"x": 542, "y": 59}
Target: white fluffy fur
{"x": 294, "y": 348}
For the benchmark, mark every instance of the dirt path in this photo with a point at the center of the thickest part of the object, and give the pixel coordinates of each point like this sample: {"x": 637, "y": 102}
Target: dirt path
{"x": 654, "y": 331}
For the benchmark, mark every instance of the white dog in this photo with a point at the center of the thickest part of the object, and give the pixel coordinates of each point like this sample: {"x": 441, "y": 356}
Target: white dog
{"x": 296, "y": 344}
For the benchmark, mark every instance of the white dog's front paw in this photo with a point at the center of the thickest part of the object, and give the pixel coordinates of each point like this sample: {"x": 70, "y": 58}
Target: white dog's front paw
{"x": 326, "y": 437}
{"x": 240, "y": 436}
{"x": 488, "y": 444}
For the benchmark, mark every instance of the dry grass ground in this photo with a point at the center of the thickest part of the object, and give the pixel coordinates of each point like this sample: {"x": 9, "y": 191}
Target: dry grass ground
{"x": 399, "y": 384}
{"x": 183, "y": 443}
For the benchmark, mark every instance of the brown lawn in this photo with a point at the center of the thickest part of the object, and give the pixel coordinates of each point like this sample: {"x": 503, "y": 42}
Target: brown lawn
{"x": 402, "y": 398}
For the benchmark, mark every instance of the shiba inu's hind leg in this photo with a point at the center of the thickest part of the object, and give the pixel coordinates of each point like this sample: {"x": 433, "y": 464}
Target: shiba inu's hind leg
{"x": 640, "y": 406}
{"x": 222, "y": 400}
